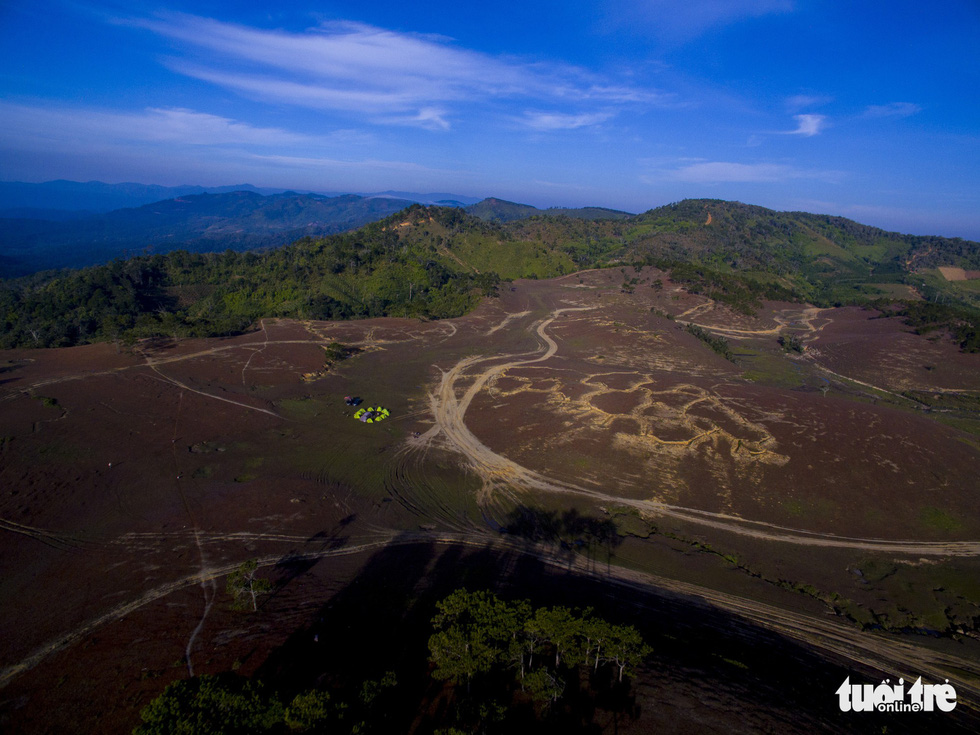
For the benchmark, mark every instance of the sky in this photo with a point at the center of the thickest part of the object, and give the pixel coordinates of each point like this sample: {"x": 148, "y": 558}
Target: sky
{"x": 849, "y": 107}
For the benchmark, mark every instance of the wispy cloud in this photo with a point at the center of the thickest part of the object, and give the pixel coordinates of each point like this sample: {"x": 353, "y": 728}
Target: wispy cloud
{"x": 808, "y": 125}
{"x": 152, "y": 125}
{"x": 174, "y": 145}
{"x": 723, "y": 172}
{"x": 893, "y": 109}
{"x": 387, "y": 76}
{"x": 430, "y": 118}
{"x": 676, "y": 22}
{"x": 314, "y": 162}
{"x": 546, "y": 121}
{"x": 806, "y": 101}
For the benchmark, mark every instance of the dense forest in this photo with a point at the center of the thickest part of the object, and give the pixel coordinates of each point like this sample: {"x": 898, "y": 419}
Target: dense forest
{"x": 437, "y": 262}
{"x": 377, "y": 271}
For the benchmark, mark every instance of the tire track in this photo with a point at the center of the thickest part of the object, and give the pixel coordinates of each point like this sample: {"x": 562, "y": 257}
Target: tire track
{"x": 502, "y": 476}
{"x": 827, "y": 635}
{"x": 49, "y": 538}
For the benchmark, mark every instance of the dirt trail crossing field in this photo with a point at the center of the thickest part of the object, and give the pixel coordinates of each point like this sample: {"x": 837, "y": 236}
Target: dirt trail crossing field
{"x": 773, "y": 489}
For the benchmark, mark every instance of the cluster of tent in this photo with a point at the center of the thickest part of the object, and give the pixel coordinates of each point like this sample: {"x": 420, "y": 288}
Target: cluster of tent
{"x": 371, "y": 415}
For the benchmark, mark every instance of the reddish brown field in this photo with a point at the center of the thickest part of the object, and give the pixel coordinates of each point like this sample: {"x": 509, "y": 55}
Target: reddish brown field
{"x": 761, "y": 494}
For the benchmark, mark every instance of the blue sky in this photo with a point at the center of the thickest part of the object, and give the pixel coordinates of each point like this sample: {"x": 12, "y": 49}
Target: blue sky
{"x": 866, "y": 110}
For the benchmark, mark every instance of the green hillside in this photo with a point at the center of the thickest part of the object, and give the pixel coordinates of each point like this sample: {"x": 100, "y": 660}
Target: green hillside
{"x": 437, "y": 262}
{"x": 819, "y": 258}
{"x": 423, "y": 262}
{"x": 501, "y": 211}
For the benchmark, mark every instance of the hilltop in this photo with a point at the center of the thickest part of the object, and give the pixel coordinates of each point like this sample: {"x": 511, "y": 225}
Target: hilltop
{"x": 436, "y": 262}
{"x": 499, "y": 210}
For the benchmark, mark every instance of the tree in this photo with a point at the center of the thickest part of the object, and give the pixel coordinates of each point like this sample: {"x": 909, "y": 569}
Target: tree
{"x": 309, "y": 710}
{"x": 626, "y": 648}
{"x": 458, "y": 656}
{"x": 595, "y": 633}
{"x": 244, "y": 586}
{"x": 545, "y": 687}
{"x": 478, "y": 636}
{"x": 559, "y": 627}
{"x": 474, "y": 631}
{"x": 210, "y": 705}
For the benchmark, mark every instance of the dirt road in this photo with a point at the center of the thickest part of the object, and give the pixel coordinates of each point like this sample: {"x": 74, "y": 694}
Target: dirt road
{"x": 501, "y": 475}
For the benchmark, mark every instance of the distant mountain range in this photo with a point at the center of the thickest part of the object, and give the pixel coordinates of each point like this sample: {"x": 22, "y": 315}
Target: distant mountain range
{"x": 237, "y": 220}
{"x": 60, "y": 200}
{"x": 66, "y": 224}
{"x": 66, "y": 199}
{"x": 498, "y": 210}
{"x": 814, "y": 256}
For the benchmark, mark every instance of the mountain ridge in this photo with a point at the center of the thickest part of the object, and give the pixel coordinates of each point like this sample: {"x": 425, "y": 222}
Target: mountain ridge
{"x": 237, "y": 220}
{"x": 436, "y": 262}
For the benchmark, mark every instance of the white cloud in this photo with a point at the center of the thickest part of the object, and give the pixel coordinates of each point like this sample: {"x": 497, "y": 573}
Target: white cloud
{"x": 726, "y": 172}
{"x": 808, "y": 125}
{"x": 430, "y": 118}
{"x": 718, "y": 172}
{"x": 72, "y": 125}
{"x": 365, "y": 70}
{"x": 546, "y": 121}
{"x": 893, "y": 109}
{"x": 314, "y": 162}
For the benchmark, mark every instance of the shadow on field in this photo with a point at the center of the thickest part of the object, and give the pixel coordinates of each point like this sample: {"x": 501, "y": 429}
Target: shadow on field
{"x": 295, "y": 565}
{"x": 568, "y": 533}
{"x": 709, "y": 671}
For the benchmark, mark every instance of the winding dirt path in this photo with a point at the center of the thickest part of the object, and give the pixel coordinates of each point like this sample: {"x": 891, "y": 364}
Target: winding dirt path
{"x": 504, "y": 476}
{"x": 806, "y": 317}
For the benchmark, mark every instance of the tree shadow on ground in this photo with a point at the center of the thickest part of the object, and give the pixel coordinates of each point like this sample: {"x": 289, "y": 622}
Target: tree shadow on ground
{"x": 569, "y": 533}
{"x": 707, "y": 664}
{"x": 295, "y": 564}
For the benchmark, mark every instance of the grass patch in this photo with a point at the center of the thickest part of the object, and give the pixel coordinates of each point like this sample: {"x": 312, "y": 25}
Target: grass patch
{"x": 771, "y": 369}
{"x": 815, "y": 508}
{"x": 794, "y": 508}
{"x": 302, "y": 408}
{"x": 937, "y": 519}
{"x": 875, "y": 570}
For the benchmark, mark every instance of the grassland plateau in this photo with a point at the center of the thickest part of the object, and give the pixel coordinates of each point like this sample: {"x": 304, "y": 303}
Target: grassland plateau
{"x": 784, "y": 489}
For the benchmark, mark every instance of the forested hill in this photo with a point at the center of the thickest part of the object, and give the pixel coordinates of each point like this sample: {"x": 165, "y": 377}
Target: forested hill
{"x": 754, "y": 237}
{"x": 427, "y": 262}
{"x": 237, "y": 220}
{"x": 821, "y": 258}
{"x": 435, "y": 262}
{"x": 499, "y": 210}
